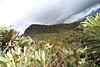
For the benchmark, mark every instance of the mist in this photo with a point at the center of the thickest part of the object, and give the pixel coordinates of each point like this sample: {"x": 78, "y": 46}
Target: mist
{"x": 22, "y": 13}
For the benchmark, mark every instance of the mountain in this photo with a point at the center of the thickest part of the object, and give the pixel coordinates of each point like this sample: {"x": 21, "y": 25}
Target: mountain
{"x": 45, "y": 31}
{"x": 61, "y": 30}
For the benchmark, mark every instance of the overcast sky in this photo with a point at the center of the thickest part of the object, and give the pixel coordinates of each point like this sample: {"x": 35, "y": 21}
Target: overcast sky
{"x": 23, "y": 13}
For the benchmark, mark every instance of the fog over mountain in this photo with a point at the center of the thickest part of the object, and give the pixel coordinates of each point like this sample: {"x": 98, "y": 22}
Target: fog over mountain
{"x": 22, "y": 13}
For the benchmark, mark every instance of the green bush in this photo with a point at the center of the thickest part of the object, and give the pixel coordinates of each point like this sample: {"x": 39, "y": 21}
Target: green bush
{"x": 92, "y": 27}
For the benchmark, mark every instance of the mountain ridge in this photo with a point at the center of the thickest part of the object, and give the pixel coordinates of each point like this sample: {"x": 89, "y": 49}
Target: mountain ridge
{"x": 45, "y": 31}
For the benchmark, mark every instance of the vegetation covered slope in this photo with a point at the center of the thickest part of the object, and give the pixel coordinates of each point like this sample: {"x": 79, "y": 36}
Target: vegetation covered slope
{"x": 78, "y": 49}
{"x": 45, "y": 31}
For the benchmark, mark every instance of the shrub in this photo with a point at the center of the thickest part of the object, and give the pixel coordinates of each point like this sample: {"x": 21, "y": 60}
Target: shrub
{"x": 92, "y": 27}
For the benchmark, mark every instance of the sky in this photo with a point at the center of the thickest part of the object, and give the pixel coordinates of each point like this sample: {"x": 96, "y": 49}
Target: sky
{"x": 83, "y": 14}
{"x": 22, "y": 13}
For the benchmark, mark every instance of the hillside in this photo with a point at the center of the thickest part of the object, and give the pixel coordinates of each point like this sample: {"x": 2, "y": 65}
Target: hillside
{"x": 45, "y": 31}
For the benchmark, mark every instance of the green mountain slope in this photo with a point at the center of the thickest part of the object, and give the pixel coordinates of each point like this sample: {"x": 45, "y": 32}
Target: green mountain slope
{"x": 45, "y": 31}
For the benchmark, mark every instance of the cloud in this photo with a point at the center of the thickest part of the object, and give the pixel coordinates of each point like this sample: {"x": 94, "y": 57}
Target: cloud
{"x": 22, "y": 13}
{"x": 56, "y": 11}
{"x": 82, "y": 14}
